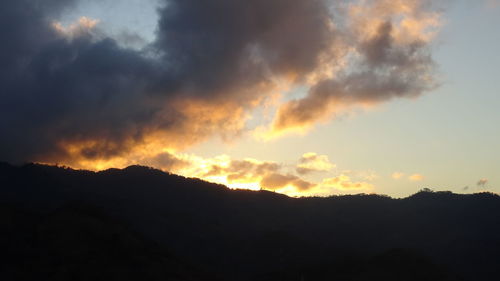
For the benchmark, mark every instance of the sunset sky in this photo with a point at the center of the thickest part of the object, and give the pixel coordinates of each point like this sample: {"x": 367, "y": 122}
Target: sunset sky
{"x": 316, "y": 97}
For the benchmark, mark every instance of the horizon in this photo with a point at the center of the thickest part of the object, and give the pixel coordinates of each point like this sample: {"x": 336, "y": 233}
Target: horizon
{"x": 167, "y": 173}
{"x": 144, "y": 224}
{"x": 315, "y": 98}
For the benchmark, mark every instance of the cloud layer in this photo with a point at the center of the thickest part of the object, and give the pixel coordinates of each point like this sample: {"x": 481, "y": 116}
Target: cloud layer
{"x": 72, "y": 94}
{"x": 268, "y": 175}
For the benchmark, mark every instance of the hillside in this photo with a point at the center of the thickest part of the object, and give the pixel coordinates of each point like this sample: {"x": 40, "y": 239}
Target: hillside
{"x": 140, "y": 223}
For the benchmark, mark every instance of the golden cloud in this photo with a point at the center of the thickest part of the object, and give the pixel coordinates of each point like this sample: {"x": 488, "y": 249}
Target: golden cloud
{"x": 312, "y": 162}
{"x": 278, "y": 182}
{"x": 238, "y": 174}
{"x": 416, "y": 177}
{"x": 344, "y": 183}
{"x": 386, "y": 55}
{"x": 91, "y": 103}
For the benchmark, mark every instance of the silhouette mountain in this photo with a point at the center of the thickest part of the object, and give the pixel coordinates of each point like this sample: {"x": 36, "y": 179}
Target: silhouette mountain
{"x": 140, "y": 223}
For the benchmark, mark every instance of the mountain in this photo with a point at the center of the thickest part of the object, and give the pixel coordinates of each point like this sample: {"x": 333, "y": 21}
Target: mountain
{"x": 140, "y": 223}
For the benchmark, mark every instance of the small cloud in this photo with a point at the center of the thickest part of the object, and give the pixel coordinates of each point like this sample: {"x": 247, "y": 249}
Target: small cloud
{"x": 344, "y": 183}
{"x": 397, "y": 175}
{"x": 482, "y": 182}
{"x": 167, "y": 161}
{"x": 235, "y": 173}
{"x": 84, "y": 25}
{"x": 215, "y": 170}
{"x": 416, "y": 177}
{"x": 465, "y": 188}
{"x": 278, "y": 181}
{"x": 312, "y": 162}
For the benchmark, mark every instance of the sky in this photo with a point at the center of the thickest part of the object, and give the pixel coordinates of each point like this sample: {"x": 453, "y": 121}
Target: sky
{"x": 306, "y": 98}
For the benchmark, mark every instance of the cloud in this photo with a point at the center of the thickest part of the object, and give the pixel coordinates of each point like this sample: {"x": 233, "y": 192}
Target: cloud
{"x": 416, "y": 177}
{"x": 482, "y": 182}
{"x": 246, "y": 173}
{"x": 76, "y": 95}
{"x": 412, "y": 177}
{"x": 344, "y": 183}
{"x": 167, "y": 162}
{"x": 312, "y": 162}
{"x": 238, "y": 171}
{"x": 278, "y": 181}
{"x": 397, "y": 175}
{"x": 61, "y": 97}
{"x": 90, "y": 98}
{"x": 84, "y": 26}
{"x": 387, "y": 56}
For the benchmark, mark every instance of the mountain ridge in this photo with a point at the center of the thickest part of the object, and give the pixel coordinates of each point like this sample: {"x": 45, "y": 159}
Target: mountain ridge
{"x": 259, "y": 235}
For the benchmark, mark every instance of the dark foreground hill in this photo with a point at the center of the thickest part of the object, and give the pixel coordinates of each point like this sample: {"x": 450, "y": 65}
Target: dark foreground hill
{"x": 142, "y": 224}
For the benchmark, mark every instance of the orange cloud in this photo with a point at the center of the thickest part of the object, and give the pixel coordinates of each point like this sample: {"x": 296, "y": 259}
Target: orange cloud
{"x": 83, "y": 26}
{"x": 239, "y": 174}
{"x": 397, "y": 175}
{"x": 200, "y": 120}
{"x": 385, "y": 43}
{"x": 344, "y": 183}
{"x": 278, "y": 181}
{"x": 416, "y": 177}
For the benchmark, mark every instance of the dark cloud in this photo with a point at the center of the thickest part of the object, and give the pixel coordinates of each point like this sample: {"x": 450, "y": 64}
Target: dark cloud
{"x": 58, "y": 91}
{"x": 76, "y": 93}
{"x": 86, "y": 96}
{"x": 223, "y": 46}
{"x": 130, "y": 39}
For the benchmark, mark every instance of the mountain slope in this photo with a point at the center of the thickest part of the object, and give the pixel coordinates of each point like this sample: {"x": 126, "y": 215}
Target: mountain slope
{"x": 246, "y": 235}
